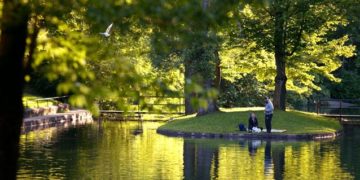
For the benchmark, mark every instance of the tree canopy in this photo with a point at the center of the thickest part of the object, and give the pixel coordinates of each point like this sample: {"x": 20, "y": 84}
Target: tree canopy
{"x": 291, "y": 42}
{"x": 194, "y": 49}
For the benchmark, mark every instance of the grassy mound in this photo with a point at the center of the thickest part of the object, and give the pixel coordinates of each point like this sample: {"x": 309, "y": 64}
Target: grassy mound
{"x": 226, "y": 121}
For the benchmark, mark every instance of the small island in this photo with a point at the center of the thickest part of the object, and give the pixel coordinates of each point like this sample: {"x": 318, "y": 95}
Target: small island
{"x": 224, "y": 124}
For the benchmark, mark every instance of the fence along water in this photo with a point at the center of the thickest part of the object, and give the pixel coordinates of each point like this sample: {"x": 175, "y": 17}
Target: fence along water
{"x": 347, "y": 110}
{"x": 151, "y": 107}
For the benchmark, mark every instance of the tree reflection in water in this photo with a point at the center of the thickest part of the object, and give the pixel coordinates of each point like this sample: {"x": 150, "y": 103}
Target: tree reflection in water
{"x": 201, "y": 160}
{"x": 198, "y": 160}
{"x": 110, "y": 150}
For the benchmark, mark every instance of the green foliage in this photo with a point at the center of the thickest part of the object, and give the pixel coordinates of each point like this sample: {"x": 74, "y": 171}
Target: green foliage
{"x": 309, "y": 50}
{"x": 243, "y": 92}
{"x": 245, "y": 59}
{"x": 151, "y": 41}
{"x": 39, "y": 84}
{"x": 349, "y": 87}
{"x": 94, "y": 68}
{"x": 296, "y": 101}
{"x": 97, "y": 69}
{"x": 320, "y": 58}
{"x": 349, "y": 73}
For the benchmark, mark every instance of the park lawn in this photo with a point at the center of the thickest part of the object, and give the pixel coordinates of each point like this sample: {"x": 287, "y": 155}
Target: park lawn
{"x": 227, "y": 120}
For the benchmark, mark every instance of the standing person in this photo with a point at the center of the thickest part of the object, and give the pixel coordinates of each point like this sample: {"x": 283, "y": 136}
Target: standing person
{"x": 269, "y": 108}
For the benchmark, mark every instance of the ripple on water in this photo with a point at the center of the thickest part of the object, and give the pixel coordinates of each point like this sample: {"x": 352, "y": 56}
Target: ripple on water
{"x": 111, "y": 151}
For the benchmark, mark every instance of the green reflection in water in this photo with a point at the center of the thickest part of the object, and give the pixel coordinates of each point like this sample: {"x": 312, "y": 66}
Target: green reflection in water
{"x": 110, "y": 150}
{"x": 114, "y": 150}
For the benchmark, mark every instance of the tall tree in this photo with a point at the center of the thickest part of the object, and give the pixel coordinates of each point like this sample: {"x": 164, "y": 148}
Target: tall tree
{"x": 280, "y": 53}
{"x": 349, "y": 87}
{"x": 295, "y": 31}
{"x": 195, "y": 39}
{"x": 67, "y": 48}
{"x": 214, "y": 61}
{"x": 15, "y": 15}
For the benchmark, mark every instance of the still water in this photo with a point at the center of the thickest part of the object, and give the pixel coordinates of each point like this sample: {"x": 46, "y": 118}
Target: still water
{"x": 113, "y": 150}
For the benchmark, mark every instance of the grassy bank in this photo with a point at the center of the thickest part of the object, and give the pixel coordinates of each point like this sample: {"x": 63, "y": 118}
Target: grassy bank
{"x": 226, "y": 121}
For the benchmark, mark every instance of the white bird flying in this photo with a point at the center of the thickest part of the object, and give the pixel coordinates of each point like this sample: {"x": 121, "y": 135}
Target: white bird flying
{"x": 107, "y": 32}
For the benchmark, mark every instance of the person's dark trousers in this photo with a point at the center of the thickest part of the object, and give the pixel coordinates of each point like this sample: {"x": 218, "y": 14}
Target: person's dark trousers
{"x": 268, "y": 119}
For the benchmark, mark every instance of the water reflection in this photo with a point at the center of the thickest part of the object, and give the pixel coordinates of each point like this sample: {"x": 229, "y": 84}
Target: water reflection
{"x": 111, "y": 150}
{"x": 279, "y": 162}
{"x": 350, "y": 151}
{"x": 268, "y": 162}
{"x": 101, "y": 151}
{"x": 201, "y": 161}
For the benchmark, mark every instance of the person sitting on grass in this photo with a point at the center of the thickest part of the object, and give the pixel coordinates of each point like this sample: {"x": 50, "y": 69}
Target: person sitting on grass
{"x": 253, "y": 122}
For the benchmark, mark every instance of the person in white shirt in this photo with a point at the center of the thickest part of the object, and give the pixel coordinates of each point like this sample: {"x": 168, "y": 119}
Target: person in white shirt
{"x": 269, "y": 109}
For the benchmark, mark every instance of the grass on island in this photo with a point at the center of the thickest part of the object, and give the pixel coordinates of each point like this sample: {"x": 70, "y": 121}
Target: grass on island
{"x": 226, "y": 121}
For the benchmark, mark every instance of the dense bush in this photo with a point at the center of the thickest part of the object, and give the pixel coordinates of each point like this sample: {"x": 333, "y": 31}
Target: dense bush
{"x": 349, "y": 87}
{"x": 246, "y": 91}
{"x": 40, "y": 85}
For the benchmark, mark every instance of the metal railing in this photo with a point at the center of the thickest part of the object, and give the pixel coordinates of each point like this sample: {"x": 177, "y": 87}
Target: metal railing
{"x": 349, "y": 108}
{"x": 45, "y": 102}
{"x": 155, "y": 105}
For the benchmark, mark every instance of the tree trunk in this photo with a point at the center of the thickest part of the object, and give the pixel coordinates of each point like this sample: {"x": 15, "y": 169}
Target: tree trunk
{"x": 12, "y": 48}
{"x": 217, "y": 81}
{"x": 280, "y": 57}
{"x": 212, "y": 83}
{"x": 32, "y": 45}
{"x": 280, "y": 86}
{"x": 208, "y": 81}
{"x": 189, "y": 109}
{"x": 211, "y": 103}
{"x": 205, "y": 4}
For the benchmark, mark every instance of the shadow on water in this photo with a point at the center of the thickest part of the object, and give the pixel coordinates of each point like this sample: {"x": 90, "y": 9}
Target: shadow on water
{"x": 111, "y": 150}
{"x": 202, "y": 161}
{"x": 334, "y": 159}
{"x": 350, "y": 149}
{"x": 199, "y": 160}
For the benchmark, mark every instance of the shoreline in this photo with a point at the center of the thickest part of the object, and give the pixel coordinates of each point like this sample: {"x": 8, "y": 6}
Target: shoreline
{"x": 46, "y": 121}
{"x": 258, "y": 136}
{"x": 298, "y": 125}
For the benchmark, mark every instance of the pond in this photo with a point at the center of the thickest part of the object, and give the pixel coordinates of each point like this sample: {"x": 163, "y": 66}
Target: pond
{"x": 115, "y": 150}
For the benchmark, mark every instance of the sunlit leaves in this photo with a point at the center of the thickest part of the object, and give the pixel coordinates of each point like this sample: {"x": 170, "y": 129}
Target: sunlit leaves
{"x": 319, "y": 58}
{"x": 247, "y": 59}
{"x": 151, "y": 40}
{"x": 310, "y": 51}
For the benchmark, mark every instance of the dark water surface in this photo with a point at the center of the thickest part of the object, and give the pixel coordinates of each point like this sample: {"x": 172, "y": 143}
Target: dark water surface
{"x": 114, "y": 150}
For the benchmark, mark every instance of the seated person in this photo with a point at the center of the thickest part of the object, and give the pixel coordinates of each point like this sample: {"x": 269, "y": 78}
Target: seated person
{"x": 253, "y": 122}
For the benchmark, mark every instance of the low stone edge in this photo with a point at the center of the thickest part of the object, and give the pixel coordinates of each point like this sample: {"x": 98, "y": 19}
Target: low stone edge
{"x": 274, "y": 136}
{"x": 42, "y": 122}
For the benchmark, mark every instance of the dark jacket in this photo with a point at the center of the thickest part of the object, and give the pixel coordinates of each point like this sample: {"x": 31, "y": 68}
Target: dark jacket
{"x": 252, "y": 123}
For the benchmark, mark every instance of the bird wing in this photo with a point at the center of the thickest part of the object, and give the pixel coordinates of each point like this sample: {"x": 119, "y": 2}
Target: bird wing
{"x": 109, "y": 28}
